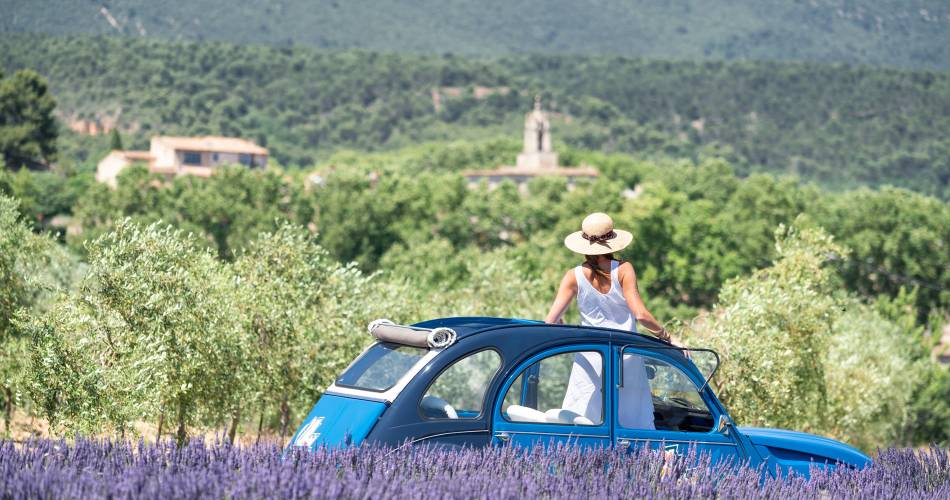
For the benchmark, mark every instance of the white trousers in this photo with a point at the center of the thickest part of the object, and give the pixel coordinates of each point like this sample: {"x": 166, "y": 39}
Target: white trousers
{"x": 584, "y": 394}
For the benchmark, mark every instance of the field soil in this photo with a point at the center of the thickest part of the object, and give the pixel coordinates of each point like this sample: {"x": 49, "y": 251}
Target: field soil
{"x": 24, "y": 427}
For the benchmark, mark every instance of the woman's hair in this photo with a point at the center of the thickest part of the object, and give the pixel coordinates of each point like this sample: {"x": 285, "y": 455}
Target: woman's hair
{"x": 591, "y": 260}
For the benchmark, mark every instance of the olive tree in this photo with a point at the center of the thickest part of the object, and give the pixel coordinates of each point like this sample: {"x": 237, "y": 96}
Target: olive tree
{"x": 20, "y": 253}
{"x": 151, "y": 334}
{"x": 304, "y": 314}
{"x": 799, "y": 353}
{"x": 871, "y": 376}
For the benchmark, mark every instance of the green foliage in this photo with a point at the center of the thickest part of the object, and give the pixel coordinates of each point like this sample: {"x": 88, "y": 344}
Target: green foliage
{"x": 797, "y": 354}
{"x": 694, "y": 233}
{"x": 860, "y": 31}
{"x": 304, "y": 314}
{"x": 115, "y": 140}
{"x": 228, "y": 210}
{"x": 930, "y": 408}
{"x": 871, "y": 379}
{"x": 151, "y": 333}
{"x": 471, "y": 283}
{"x": 836, "y": 125}
{"x": 20, "y": 254}
{"x": 44, "y": 194}
{"x": 899, "y": 240}
{"x": 695, "y": 226}
{"x": 771, "y": 330}
{"x": 27, "y": 127}
{"x": 18, "y": 246}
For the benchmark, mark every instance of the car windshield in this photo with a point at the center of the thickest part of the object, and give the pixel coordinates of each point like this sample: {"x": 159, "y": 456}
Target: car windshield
{"x": 379, "y": 368}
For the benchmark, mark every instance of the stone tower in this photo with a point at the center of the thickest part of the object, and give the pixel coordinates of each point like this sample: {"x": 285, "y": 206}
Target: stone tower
{"x": 537, "y": 152}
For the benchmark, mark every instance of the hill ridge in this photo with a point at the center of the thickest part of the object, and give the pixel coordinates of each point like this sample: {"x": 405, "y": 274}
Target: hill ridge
{"x": 903, "y": 33}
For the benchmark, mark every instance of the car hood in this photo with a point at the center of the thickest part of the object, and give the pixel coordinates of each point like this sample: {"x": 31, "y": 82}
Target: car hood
{"x": 781, "y": 442}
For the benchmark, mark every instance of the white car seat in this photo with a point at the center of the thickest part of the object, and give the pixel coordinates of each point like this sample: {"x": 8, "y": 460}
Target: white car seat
{"x": 438, "y": 404}
{"x": 562, "y": 416}
{"x": 518, "y": 413}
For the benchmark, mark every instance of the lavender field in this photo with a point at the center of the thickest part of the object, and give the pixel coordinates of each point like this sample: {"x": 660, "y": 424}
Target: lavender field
{"x": 99, "y": 469}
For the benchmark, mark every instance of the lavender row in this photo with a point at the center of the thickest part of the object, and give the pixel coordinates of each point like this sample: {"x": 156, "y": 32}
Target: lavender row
{"x": 97, "y": 469}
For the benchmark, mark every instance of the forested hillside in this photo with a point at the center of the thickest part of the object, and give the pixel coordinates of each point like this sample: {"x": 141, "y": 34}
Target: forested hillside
{"x": 840, "y": 126}
{"x": 907, "y": 33}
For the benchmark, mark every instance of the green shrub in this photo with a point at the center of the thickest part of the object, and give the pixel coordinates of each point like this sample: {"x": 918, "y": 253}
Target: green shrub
{"x": 798, "y": 353}
{"x": 151, "y": 333}
{"x": 21, "y": 254}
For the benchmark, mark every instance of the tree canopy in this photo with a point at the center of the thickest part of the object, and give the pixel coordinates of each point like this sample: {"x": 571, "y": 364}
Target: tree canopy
{"x": 887, "y": 32}
{"x": 28, "y": 129}
{"x": 838, "y": 126}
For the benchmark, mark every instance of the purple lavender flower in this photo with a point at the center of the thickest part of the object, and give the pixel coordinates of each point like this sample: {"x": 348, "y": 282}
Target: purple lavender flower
{"x": 102, "y": 468}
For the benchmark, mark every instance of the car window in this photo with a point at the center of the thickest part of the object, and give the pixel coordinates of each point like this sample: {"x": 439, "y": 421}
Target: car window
{"x": 658, "y": 395}
{"x": 565, "y": 388}
{"x": 459, "y": 391}
{"x": 381, "y": 366}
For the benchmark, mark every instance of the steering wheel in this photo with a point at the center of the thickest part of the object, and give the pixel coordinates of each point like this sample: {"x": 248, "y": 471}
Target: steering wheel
{"x": 684, "y": 402}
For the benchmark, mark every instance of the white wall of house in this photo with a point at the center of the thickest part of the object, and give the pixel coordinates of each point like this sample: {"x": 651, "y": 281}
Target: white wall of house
{"x": 164, "y": 154}
{"x": 108, "y": 169}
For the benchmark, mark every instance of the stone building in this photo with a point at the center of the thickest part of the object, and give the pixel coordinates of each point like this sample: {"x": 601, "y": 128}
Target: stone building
{"x": 173, "y": 156}
{"x": 537, "y": 157}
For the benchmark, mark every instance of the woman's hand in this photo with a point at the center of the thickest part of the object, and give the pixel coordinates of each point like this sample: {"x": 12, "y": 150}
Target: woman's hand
{"x": 678, "y": 343}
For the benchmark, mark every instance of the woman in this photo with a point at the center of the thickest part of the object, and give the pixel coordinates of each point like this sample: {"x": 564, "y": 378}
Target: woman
{"x": 607, "y": 296}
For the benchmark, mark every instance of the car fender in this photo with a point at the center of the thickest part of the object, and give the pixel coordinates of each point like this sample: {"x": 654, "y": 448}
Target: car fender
{"x": 799, "y": 451}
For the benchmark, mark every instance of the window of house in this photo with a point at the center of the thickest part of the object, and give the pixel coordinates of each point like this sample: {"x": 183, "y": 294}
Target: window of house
{"x": 459, "y": 391}
{"x": 214, "y": 157}
{"x": 245, "y": 159}
{"x": 565, "y": 388}
{"x": 191, "y": 158}
{"x": 658, "y": 395}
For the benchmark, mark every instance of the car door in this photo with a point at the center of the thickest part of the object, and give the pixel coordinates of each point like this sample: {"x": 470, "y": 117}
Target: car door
{"x": 558, "y": 396}
{"x": 659, "y": 405}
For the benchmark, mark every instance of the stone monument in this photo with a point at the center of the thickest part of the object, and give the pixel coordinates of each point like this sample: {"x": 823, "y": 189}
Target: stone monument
{"x": 537, "y": 152}
{"x": 537, "y": 157}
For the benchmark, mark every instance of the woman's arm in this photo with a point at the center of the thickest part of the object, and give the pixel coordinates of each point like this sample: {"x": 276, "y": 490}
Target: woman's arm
{"x": 631, "y": 292}
{"x": 565, "y": 294}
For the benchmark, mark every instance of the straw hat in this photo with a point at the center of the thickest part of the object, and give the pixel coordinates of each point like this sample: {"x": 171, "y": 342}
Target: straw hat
{"x": 598, "y": 236}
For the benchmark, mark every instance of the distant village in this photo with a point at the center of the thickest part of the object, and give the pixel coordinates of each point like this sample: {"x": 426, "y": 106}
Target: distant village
{"x": 174, "y": 156}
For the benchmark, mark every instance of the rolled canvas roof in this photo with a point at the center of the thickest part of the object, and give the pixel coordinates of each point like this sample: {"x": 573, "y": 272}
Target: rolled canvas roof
{"x": 434, "y": 338}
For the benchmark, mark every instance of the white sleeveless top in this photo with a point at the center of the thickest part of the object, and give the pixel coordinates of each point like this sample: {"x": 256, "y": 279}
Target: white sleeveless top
{"x": 584, "y": 394}
{"x": 607, "y": 310}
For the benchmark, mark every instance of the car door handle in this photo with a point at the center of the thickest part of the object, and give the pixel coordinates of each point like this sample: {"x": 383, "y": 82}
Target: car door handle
{"x": 504, "y": 437}
{"x": 623, "y": 443}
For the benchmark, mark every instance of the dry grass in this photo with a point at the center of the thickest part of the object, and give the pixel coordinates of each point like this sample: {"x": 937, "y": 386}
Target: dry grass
{"x": 25, "y": 426}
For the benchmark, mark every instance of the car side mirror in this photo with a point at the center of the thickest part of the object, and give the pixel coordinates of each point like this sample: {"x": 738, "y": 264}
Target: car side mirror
{"x": 723, "y": 425}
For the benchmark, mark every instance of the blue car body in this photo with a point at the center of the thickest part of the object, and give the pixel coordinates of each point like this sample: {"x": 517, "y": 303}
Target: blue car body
{"x": 382, "y": 399}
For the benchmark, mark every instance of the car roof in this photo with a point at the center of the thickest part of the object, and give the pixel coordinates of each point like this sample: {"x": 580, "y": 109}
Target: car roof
{"x": 466, "y": 326}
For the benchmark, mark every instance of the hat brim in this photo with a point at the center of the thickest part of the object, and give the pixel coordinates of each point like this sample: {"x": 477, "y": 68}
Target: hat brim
{"x": 575, "y": 242}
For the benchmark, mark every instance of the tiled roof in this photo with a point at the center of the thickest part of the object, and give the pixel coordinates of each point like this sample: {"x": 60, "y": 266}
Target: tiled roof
{"x": 212, "y": 143}
{"x": 138, "y": 155}
{"x": 534, "y": 172}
